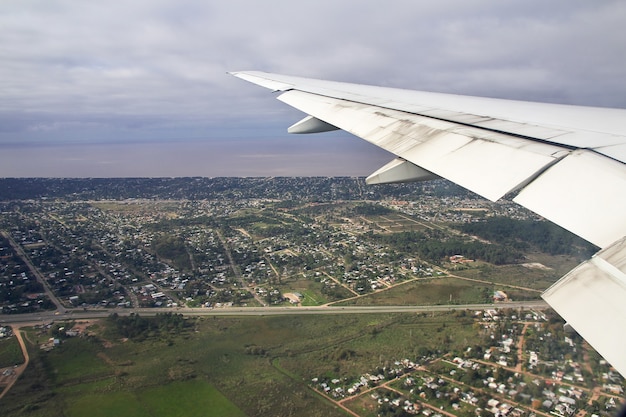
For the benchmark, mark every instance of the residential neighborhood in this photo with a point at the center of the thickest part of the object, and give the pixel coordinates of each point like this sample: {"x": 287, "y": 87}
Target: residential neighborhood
{"x": 172, "y": 245}
{"x": 233, "y": 249}
{"x": 499, "y": 377}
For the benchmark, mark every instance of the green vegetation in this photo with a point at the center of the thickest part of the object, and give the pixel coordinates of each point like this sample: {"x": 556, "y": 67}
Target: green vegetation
{"x": 430, "y": 292}
{"x": 10, "y": 352}
{"x": 364, "y": 209}
{"x": 435, "y": 245}
{"x": 189, "y": 399}
{"x": 227, "y": 367}
{"x": 140, "y": 328}
{"x": 312, "y": 299}
{"x": 173, "y": 249}
{"x": 522, "y": 234}
{"x": 280, "y": 365}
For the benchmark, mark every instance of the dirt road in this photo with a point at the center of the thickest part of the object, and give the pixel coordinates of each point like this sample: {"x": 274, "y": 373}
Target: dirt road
{"x": 20, "y": 368}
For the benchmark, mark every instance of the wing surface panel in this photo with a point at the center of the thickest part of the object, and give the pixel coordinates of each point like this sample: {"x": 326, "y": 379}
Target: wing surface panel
{"x": 570, "y": 126}
{"x": 460, "y": 153}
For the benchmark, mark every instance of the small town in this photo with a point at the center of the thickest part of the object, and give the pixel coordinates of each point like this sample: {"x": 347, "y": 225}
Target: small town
{"x": 80, "y": 246}
{"x": 502, "y": 377}
{"x": 232, "y": 249}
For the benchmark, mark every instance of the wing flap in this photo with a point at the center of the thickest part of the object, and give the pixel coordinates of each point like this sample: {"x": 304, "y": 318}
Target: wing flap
{"x": 582, "y": 193}
{"x": 591, "y": 299}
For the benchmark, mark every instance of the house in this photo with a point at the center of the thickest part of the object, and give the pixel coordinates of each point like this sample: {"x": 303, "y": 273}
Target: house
{"x": 500, "y": 296}
{"x": 5, "y": 332}
{"x": 459, "y": 259}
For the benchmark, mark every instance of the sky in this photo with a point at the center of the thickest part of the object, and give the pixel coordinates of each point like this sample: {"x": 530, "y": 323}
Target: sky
{"x": 140, "y": 88}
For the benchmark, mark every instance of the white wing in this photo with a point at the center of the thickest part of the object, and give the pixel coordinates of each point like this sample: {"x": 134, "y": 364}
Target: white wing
{"x": 566, "y": 163}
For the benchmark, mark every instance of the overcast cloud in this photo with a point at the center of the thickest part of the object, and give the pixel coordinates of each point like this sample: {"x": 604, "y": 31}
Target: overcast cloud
{"x": 139, "y": 88}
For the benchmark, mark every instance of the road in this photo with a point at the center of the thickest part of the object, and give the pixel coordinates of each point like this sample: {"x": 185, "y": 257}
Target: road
{"x": 18, "y": 369}
{"x": 35, "y": 271}
{"x": 236, "y": 269}
{"x": 76, "y": 314}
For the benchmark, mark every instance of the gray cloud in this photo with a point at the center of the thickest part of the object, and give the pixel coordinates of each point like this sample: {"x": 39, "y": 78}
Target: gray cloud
{"x": 154, "y": 71}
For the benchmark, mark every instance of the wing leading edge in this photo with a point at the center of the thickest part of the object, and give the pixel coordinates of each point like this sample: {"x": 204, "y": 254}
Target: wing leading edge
{"x": 566, "y": 163}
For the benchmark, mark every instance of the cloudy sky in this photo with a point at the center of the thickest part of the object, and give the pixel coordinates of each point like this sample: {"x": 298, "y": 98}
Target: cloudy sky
{"x": 113, "y": 88}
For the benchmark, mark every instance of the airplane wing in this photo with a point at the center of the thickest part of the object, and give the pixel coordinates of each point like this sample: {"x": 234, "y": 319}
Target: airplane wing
{"x": 566, "y": 163}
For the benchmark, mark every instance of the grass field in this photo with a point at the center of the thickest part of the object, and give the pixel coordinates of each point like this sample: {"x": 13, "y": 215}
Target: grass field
{"x": 310, "y": 289}
{"x": 429, "y": 292}
{"x": 364, "y": 406}
{"x": 77, "y": 362}
{"x": 224, "y": 366}
{"x": 10, "y": 352}
{"x": 395, "y": 222}
{"x": 312, "y": 298}
{"x": 188, "y": 399}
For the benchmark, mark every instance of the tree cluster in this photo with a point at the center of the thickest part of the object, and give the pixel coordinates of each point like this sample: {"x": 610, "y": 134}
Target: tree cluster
{"x": 136, "y": 327}
{"x": 429, "y": 247}
{"x": 524, "y": 234}
{"x": 173, "y": 249}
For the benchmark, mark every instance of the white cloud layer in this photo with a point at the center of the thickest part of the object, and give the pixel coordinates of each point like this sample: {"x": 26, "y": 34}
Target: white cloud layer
{"x": 155, "y": 70}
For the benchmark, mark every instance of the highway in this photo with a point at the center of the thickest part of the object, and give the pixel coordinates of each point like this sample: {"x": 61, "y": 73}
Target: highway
{"x": 78, "y": 314}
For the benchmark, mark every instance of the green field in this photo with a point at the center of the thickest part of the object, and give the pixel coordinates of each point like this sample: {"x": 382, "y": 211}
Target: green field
{"x": 310, "y": 290}
{"x": 312, "y": 298}
{"x": 10, "y": 352}
{"x": 224, "y": 366}
{"x": 429, "y": 292}
{"x": 188, "y": 399}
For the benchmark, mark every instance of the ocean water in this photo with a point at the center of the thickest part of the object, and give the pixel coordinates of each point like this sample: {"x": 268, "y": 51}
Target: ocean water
{"x": 308, "y": 155}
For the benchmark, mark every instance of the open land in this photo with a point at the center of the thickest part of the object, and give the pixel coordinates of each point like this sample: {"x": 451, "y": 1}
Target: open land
{"x": 451, "y": 363}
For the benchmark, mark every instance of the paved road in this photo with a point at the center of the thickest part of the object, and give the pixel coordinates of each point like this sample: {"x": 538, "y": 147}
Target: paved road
{"x": 257, "y": 311}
